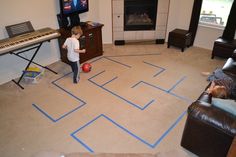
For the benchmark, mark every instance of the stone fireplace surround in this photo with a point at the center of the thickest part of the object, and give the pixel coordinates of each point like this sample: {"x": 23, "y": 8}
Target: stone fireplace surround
{"x": 118, "y": 23}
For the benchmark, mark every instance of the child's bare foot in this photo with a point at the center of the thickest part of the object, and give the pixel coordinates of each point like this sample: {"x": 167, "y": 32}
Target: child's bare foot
{"x": 204, "y": 73}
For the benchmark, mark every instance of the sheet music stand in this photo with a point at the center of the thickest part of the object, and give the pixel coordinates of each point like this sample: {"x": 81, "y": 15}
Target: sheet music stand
{"x": 20, "y": 29}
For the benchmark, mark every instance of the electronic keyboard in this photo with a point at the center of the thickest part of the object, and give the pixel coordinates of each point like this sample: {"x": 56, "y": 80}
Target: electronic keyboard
{"x": 11, "y": 44}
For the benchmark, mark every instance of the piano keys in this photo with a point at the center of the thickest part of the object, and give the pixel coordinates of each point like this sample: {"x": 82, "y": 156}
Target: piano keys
{"x": 21, "y": 41}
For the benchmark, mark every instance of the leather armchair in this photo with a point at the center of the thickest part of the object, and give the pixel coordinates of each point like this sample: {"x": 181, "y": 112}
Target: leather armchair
{"x": 223, "y": 48}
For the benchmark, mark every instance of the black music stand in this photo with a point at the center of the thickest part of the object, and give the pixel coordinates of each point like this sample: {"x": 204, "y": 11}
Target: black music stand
{"x": 19, "y": 29}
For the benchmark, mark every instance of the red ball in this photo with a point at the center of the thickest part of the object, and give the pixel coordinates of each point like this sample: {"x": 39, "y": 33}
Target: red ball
{"x": 86, "y": 67}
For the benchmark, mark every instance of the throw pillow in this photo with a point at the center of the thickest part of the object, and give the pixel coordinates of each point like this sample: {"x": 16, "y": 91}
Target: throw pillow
{"x": 228, "y": 105}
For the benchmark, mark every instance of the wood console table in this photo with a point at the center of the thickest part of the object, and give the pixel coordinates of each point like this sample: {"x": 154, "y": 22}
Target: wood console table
{"x": 91, "y": 41}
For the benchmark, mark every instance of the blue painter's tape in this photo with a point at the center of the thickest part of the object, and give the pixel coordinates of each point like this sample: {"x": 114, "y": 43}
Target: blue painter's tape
{"x": 61, "y": 117}
{"x": 96, "y": 75}
{"x": 118, "y": 62}
{"x": 69, "y": 93}
{"x": 149, "y": 103}
{"x": 167, "y": 91}
{"x": 153, "y": 65}
{"x": 83, "y": 144}
{"x": 120, "y": 97}
{"x": 156, "y": 66}
{"x": 181, "y": 97}
{"x": 154, "y": 86}
{"x": 157, "y": 142}
{"x": 149, "y": 54}
{"x": 170, "y": 128}
{"x": 80, "y": 141}
{"x": 127, "y": 131}
{"x": 96, "y": 59}
{"x": 109, "y": 81}
{"x": 113, "y": 93}
{"x": 178, "y": 82}
{"x": 44, "y": 113}
{"x": 61, "y": 77}
{"x": 89, "y": 123}
{"x": 136, "y": 84}
{"x": 159, "y": 72}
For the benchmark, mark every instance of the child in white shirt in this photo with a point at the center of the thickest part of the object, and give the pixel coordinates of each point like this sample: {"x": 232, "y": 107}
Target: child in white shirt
{"x": 73, "y": 49}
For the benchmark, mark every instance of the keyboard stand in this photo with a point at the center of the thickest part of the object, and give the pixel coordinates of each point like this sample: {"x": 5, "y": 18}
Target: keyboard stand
{"x": 37, "y": 47}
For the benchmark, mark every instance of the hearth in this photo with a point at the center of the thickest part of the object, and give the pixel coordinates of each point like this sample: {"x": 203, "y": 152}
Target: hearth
{"x": 140, "y": 14}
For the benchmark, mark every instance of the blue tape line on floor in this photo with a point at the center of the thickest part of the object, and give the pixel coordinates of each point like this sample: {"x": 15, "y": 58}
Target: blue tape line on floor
{"x": 178, "y": 82}
{"x": 166, "y": 91}
{"x": 137, "y": 55}
{"x": 157, "y": 142}
{"x": 67, "y": 92}
{"x": 156, "y": 66}
{"x": 118, "y": 62}
{"x": 120, "y": 97}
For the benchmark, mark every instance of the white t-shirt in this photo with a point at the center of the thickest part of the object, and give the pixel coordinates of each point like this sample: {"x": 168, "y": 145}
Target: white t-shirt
{"x": 72, "y": 44}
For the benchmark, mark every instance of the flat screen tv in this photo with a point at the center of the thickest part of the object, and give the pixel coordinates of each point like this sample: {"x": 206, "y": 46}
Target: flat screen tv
{"x": 69, "y": 7}
{"x": 70, "y": 10}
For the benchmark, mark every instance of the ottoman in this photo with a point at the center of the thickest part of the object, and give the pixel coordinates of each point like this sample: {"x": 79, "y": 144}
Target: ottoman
{"x": 179, "y": 38}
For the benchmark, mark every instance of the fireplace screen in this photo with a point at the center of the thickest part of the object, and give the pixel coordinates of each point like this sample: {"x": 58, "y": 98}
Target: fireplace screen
{"x": 140, "y": 14}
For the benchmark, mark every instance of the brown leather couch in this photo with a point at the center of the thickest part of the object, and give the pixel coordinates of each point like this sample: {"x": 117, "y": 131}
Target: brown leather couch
{"x": 209, "y": 131}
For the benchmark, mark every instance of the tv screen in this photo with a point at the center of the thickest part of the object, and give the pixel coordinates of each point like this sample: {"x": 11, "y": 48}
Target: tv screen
{"x": 69, "y": 7}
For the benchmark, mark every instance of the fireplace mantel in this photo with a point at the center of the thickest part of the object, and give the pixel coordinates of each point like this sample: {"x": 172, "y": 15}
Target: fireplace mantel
{"x": 119, "y": 34}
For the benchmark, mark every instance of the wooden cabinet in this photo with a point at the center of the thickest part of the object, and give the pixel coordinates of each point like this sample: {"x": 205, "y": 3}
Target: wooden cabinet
{"x": 91, "y": 41}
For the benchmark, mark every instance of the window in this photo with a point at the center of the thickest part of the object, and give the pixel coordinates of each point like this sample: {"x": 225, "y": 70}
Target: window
{"x": 215, "y": 12}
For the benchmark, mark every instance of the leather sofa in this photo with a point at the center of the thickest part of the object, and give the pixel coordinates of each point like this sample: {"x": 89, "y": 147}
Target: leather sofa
{"x": 209, "y": 131}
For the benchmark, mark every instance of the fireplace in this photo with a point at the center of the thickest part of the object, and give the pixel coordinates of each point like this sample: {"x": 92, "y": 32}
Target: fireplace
{"x": 139, "y": 20}
{"x": 140, "y": 14}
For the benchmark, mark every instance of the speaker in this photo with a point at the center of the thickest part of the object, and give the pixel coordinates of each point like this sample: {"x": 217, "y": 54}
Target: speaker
{"x": 160, "y": 41}
{"x": 119, "y": 42}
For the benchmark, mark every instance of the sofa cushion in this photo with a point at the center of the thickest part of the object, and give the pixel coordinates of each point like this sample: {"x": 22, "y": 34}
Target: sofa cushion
{"x": 227, "y": 105}
{"x": 230, "y": 68}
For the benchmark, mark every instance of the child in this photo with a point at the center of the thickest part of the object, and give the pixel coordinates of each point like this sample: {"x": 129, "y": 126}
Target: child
{"x": 217, "y": 91}
{"x": 73, "y": 49}
{"x": 222, "y": 86}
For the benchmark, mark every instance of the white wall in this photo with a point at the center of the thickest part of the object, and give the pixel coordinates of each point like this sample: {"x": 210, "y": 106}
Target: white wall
{"x": 206, "y": 36}
{"x": 105, "y": 17}
{"x": 179, "y": 14}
